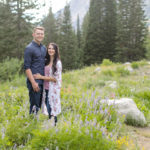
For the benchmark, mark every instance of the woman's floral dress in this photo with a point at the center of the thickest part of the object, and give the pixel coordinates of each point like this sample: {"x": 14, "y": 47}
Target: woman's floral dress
{"x": 54, "y": 92}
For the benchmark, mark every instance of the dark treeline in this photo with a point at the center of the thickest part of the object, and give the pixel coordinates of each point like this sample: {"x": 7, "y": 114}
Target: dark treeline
{"x": 111, "y": 29}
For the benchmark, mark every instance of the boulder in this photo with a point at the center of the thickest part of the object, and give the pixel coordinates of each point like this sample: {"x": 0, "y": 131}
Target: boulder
{"x": 127, "y": 63}
{"x": 129, "y": 68}
{"x": 111, "y": 84}
{"x": 98, "y": 69}
{"x": 128, "y": 108}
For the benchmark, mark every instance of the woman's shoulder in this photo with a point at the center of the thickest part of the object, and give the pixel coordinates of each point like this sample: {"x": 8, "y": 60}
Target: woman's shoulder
{"x": 59, "y": 64}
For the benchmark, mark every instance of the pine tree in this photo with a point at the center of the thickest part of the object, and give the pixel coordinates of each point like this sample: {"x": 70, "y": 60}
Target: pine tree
{"x": 79, "y": 51}
{"x": 131, "y": 30}
{"x": 49, "y": 23}
{"x": 100, "y": 39}
{"x": 6, "y": 30}
{"x": 94, "y": 42}
{"x": 110, "y": 29}
{"x": 22, "y": 23}
{"x": 67, "y": 41}
{"x": 85, "y": 29}
{"x": 16, "y": 28}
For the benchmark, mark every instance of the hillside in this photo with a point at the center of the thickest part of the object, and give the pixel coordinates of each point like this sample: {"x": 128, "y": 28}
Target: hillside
{"x": 84, "y": 122}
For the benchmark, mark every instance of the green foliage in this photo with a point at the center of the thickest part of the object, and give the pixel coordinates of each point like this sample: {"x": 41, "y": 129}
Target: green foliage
{"x": 134, "y": 65}
{"x": 108, "y": 72}
{"x": 49, "y": 23}
{"x": 143, "y": 95}
{"x": 121, "y": 71}
{"x": 147, "y": 45}
{"x": 85, "y": 122}
{"x": 123, "y": 91}
{"x": 76, "y": 138}
{"x": 101, "y": 33}
{"x": 67, "y": 41}
{"x": 107, "y": 62}
{"x": 130, "y": 26}
{"x": 16, "y": 31}
{"x": 9, "y": 68}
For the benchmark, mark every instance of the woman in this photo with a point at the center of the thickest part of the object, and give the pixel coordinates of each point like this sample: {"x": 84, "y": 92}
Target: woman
{"x": 52, "y": 81}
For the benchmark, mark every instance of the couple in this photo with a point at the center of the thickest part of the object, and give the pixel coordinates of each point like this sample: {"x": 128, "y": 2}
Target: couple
{"x": 40, "y": 66}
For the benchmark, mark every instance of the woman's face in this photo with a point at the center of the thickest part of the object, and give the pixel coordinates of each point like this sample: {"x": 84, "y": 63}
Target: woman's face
{"x": 51, "y": 50}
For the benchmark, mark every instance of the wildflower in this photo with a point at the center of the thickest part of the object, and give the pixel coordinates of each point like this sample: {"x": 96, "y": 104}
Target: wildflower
{"x": 56, "y": 130}
{"x": 15, "y": 146}
{"x": 57, "y": 148}
{"x": 100, "y": 108}
{"x": 87, "y": 122}
{"x": 106, "y": 111}
{"x": 110, "y": 118}
{"x": 81, "y": 122}
{"x": 87, "y": 131}
{"x": 105, "y": 121}
{"x": 3, "y": 132}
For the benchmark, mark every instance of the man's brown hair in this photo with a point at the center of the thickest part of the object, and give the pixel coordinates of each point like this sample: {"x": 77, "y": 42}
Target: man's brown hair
{"x": 38, "y": 28}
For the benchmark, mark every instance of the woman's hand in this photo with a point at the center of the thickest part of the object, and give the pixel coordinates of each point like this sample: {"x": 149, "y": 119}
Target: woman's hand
{"x": 37, "y": 76}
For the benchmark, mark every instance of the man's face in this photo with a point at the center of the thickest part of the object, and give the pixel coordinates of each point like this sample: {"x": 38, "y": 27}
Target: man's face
{"x": 38, "y": 35}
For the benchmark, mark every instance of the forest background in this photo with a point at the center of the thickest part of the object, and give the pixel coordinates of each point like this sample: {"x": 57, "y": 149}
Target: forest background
{"x": 116, "y": 30}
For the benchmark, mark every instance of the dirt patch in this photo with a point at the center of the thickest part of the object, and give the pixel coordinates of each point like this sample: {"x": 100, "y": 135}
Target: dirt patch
{"x": 141, "y": 136}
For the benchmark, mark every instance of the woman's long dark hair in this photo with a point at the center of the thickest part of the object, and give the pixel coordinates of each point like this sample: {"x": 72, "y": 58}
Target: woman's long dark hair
{"x": 56, "y": 57}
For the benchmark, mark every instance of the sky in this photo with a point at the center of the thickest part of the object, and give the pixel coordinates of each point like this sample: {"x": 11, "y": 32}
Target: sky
{"x": 43, "y": 11}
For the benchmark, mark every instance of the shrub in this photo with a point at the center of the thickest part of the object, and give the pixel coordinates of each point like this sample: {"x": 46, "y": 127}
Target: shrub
{"x": 135, "y": 65}
{"x": 108, "y": 73}
{"x": 9, "y": 68}
{"x": 121, "y": 71}
{"x": 107, "y": 62}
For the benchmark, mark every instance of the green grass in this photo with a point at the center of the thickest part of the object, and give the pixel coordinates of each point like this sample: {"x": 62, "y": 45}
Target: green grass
{"x": 84, "y": 122}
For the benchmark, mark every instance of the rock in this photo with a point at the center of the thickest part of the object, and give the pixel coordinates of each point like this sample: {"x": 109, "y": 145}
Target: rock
{"x": 129, "y": 68}
{"x": 112, "y": 84}
{"x": 97, "y": 69}
{"x": 127, "y": 63}
{"x": 127, "y": 107}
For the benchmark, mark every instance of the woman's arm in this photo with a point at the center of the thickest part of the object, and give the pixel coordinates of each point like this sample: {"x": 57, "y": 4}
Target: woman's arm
{"x": 58, "y": 73}
{"x": 38, "y": 76}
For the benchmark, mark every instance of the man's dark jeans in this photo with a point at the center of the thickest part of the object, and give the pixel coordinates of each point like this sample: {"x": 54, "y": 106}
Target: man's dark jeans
{"x": 35, "y": 98}
{"x": 47, "y": 104}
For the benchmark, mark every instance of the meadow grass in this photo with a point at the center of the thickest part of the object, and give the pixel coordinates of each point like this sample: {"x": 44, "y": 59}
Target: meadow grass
{"x": 84, "y": 123}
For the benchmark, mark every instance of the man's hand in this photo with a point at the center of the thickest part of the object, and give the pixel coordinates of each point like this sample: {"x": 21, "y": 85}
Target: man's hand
{"x": 35, "y": 87}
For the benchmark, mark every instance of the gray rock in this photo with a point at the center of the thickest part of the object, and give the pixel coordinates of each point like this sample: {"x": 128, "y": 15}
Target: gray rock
{"x": 111, "y": 84}
{"x": 127, "y": 107}
{"x": 97, "y": 69}
{"x": 129, "y": 68}
{"x": 127, "y": 63}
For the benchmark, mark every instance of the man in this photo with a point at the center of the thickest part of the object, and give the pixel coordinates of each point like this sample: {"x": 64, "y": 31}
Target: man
{"x": 34, "y": 62}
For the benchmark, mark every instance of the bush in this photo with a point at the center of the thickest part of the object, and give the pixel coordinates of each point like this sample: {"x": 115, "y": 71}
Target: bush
{"x": 108, "y": 72}
{"x": 121, "y": 71}
{"x": 9, "y": 68}
{"x": 135, "y": 65}
{"x": 107, "y": 62}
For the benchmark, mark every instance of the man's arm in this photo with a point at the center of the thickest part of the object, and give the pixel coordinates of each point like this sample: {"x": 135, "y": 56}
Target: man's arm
{"x": 27, "y": 65}
{"x": 46, "y": 78}
{"x": 33, "y": 82}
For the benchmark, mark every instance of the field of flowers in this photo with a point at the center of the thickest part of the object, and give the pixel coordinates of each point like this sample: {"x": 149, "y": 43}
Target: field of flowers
{"x": 85, "y": 123}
